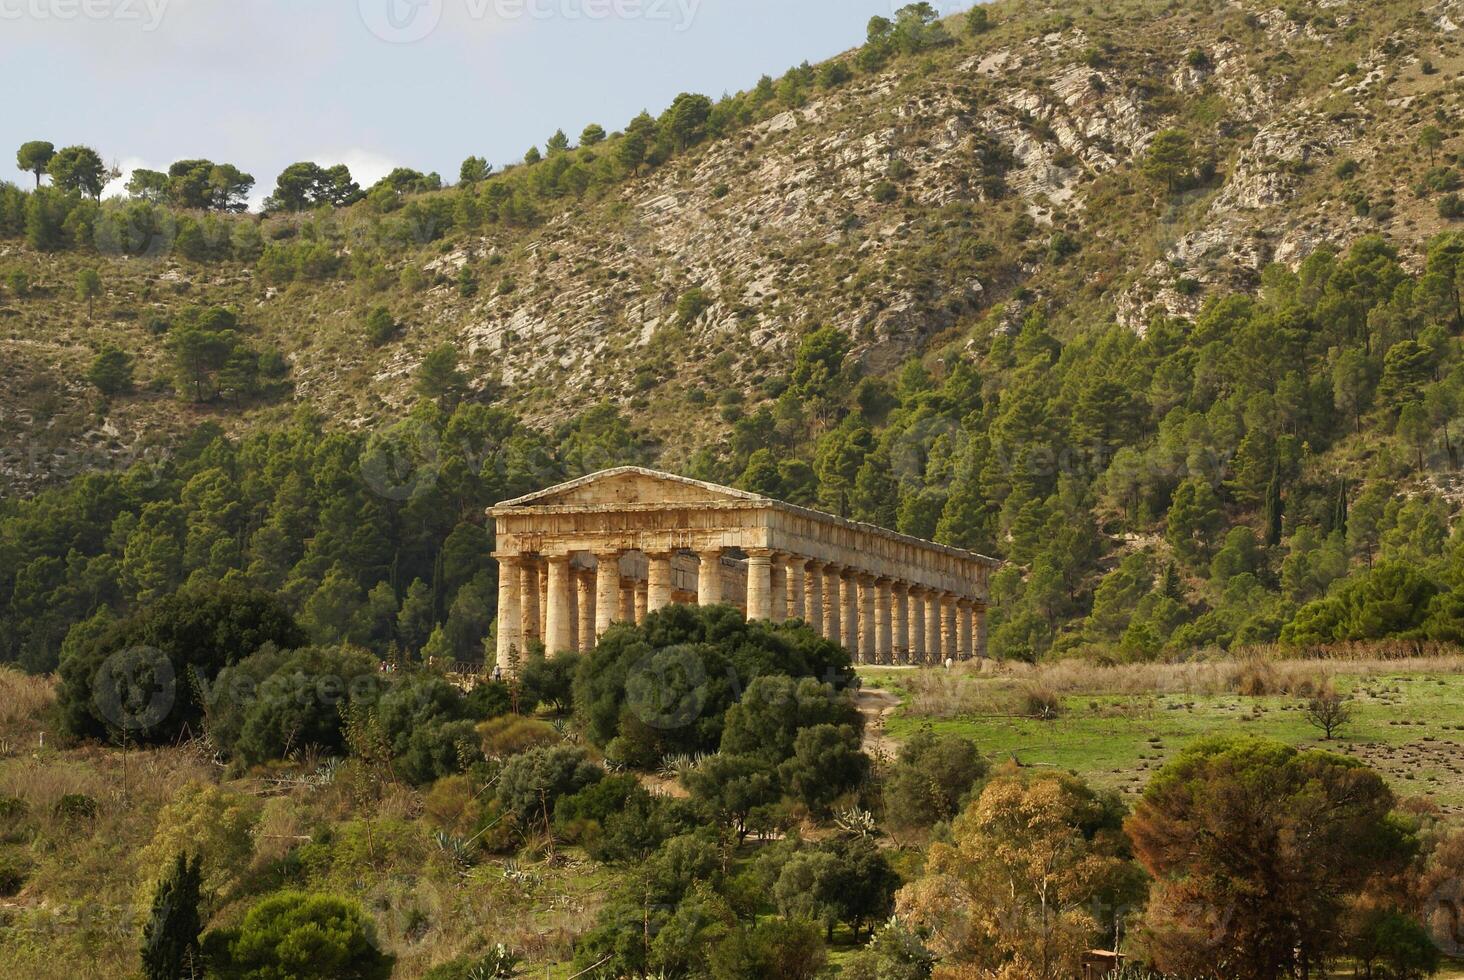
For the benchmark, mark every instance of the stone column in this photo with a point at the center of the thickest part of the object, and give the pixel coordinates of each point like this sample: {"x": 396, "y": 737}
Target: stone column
{"x": 544, "y": 602}
{"x": 883, "y": 636}
{"x": 585, "y": 581}
{"x": 778, "y": 585}
{"x": 849, "y": 628}
{"x": 709, "y": 578}
{"x": 574, "y": 616}
{"x": 529, "y": 598}
{"x": 559, "y": 627}
{"x": 510, "y": 638}
{"x": 833, "y": 609}
{"x": 979, "y": 614}
{"x": 868, "y": 639}
{"x": 607, "y": 590}
{"x": 813, "y": 596}
{"x": 948, "y": 637}
{"x": 917, "y": 625}
{"x": 759, "y": 584}
{"x": 658, "y": 595}
{"x": 796, "y": 588}
{"x": 900, "y": 623}
{"x": 642, "y": 600}
{"x": 934, "y": 654}
{"x": 963, "y": 629}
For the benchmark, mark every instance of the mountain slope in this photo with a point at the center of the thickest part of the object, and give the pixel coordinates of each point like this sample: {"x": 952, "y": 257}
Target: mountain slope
{"x": 984, "y": 177}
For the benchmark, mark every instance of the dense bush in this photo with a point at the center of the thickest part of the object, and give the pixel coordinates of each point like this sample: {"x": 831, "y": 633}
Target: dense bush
{"x": 143, "y": 676}
{"x": 531, "y": 785}
{"x": 766, "y": 720}
{"x": 294, "y": 935}
{"x": 276, "y": 702}
{"x": 664, "y": 687}
{"x": 931, "y": 778}
{"x": 549, "y": 680}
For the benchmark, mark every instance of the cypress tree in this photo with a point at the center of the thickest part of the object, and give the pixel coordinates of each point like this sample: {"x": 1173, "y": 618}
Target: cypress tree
{"x": 170, "y": 948}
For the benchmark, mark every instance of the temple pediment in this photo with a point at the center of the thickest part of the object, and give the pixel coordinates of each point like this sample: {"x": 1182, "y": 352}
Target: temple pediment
{"x": 630, "y": 486}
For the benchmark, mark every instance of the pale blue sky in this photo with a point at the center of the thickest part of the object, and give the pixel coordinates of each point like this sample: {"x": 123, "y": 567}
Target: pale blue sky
{"x": 377, "y": 83}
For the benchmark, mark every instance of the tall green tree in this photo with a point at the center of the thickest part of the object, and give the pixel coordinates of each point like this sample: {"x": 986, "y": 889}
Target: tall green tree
{"x": 35, "y": 157}
{"x": 79, "y": 168}
{"x": 170, "y": 945}
{"x": 1170, "y": 159}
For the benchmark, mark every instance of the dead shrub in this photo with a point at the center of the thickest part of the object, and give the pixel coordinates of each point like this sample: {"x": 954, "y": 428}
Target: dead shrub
{"x": 1040, "y": 703}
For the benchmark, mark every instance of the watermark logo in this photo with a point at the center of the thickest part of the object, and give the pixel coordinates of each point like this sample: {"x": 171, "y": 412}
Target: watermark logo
{"x": 401, "y": 21}
{"x": 135, "y": 689}
{"x": 409, "y": 21}
{"x": 667, "y": 689}
{"x": 401, "y": 461}
{"x": 146, "y": 13}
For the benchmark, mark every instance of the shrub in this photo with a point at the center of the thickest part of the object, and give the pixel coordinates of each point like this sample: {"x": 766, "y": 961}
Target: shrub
{"x": 111, "y": 371}
{"x": 512, "y": 735}
{"x": 15, "y": 871}
{"x": 380, "y": 326}
{"x": 1038, "y": 702}
{"x": 210, "y": 821}
{"x": 109, "y": 685}
{"x": 781, "y": 948}
{"x": 438, "y": 750}
{"x": 931, "y": 779}
{"x": 531, "y": 784}
{"x": 170, "y": 946}
{"x": 489, "y": 699}
{"x": 75, "y": 807}
{"x": 663, "y": 687}
{"x": 826, "y": 763}
{"x": 275, "y": 702}
{"x": 774, "y": 709}
{"x": 300, "y": 936}
{"x": 550, "y": 680}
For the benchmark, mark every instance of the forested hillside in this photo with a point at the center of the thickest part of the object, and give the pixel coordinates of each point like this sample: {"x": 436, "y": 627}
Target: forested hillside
{"x": 1183, "y": 346}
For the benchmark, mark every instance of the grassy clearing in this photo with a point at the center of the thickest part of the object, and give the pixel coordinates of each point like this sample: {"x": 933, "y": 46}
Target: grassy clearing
{"x": 1115, "y": 726}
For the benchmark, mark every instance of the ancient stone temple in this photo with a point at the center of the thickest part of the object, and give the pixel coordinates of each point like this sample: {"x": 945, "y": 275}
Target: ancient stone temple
{"x": 616, "y": 545}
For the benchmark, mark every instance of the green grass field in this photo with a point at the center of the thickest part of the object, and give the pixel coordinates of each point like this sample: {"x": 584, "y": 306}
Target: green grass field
{"x": 1407, "y": 722}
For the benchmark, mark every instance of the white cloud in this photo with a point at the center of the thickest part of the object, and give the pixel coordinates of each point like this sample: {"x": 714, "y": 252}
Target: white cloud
{"x": 125, "y": 166}
{"x": 366, "y": 166}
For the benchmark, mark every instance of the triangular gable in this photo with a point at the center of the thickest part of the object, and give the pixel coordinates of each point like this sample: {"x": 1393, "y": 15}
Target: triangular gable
{"x": 630, "y": 485}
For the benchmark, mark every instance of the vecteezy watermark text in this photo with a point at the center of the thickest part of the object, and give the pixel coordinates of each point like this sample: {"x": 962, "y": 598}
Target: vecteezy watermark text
{"x": 408, "y": 21}
{"x": 147, "y": 13}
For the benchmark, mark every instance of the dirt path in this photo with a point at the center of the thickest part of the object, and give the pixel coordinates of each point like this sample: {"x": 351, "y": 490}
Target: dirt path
{"x": 876, "y": 705}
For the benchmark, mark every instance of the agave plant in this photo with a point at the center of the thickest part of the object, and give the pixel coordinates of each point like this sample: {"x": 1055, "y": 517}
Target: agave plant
{"x": 856, "y": 822}
{"x": 512, "y": 872}
{"x": 499, "y": 964}
{"x": 455, "y": 847}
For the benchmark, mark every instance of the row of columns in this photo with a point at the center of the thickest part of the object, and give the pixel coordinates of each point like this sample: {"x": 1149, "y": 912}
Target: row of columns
{"x": 881, "y": 620}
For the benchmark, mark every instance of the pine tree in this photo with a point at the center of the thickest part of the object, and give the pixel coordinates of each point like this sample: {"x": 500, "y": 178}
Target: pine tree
{"x": 170, "y": 948}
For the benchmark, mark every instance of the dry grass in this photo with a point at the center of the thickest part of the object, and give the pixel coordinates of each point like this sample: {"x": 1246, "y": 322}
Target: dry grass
{"x": 25, "y": 701}
{"x": 989, "y": 687}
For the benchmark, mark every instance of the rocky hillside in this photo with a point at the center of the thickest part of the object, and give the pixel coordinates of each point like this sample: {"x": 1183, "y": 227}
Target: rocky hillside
{"x": 911, "y": 207}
